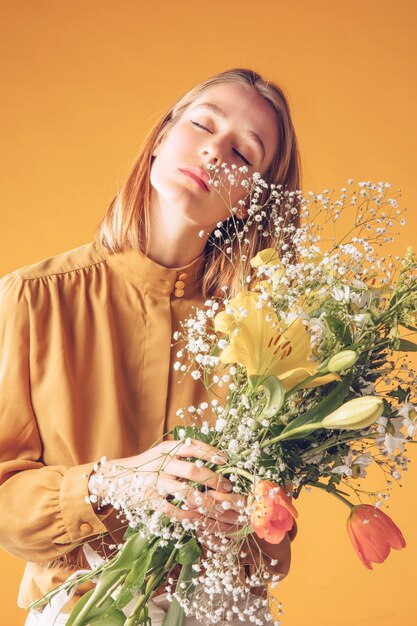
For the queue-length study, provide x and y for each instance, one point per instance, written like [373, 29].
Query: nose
[211, 153]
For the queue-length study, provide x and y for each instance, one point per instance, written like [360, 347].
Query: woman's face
[202, 136]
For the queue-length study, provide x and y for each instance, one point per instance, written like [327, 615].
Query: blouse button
[182, 276]
[85, 528]
[179, 293]
[179, 284]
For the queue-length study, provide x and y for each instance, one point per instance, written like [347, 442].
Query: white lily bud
[343, 360]
[356, 414]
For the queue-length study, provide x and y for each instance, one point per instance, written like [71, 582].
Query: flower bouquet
[307, 386]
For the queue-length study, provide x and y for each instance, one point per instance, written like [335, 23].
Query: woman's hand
[276, 557]
[161, 473]
[233, 503]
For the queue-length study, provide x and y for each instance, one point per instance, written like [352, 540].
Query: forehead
[246, 107]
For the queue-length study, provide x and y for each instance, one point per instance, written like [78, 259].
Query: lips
[198, 174]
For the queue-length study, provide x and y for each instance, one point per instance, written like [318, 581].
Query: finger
[175, 513]
[195, 500]
[218, 514]
[165, 485]
[216, 526]
[236, 501]
[277, 557]
[199, 475]
[196, 449]
[192, 499]
[215, 508]
[210, 541]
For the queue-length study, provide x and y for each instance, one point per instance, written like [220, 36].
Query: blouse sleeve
[44, 512]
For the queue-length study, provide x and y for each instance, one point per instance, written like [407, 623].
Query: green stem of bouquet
[152, 584]
[334, 493]
[334, 441]
[324, 446]
[235, 470]
[115, 577]
[68, 586]
[113, 588]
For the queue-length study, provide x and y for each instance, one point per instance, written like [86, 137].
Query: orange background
[82, 84]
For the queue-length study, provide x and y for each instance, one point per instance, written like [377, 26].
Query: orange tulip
[272, 512]
[373, 534]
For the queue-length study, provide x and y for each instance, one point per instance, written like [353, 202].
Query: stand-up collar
[148, 275]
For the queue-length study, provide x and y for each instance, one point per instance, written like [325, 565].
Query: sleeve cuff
[79, 518]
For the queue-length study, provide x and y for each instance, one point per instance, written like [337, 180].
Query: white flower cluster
[219, 597]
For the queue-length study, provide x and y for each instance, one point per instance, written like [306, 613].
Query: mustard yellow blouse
[86, 370]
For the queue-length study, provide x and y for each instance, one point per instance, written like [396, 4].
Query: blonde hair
[126, 221]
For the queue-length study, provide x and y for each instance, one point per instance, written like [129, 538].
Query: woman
[86, 362]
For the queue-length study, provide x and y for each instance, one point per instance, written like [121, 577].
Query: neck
[171, 242]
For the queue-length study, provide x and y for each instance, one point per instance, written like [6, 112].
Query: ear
[155, 151]
[157, 146]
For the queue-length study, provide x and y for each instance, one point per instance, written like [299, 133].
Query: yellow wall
[82, 84]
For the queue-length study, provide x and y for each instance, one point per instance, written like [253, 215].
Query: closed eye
[244, 159]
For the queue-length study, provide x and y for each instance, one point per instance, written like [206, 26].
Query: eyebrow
[219, 111]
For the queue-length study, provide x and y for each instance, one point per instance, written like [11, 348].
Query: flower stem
[151, 585]
[334, 493]
[334, 441]
[113, 588]
[236, 470]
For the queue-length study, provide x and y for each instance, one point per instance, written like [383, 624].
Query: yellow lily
[257, 342]
[268, 257]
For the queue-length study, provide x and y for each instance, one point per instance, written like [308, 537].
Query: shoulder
[74, 260]
[30, 289]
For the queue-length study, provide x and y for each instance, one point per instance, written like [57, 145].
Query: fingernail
[225, 484]
[218, 458]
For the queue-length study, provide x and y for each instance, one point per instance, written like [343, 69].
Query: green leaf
[133, 547]
[387, 407]
[275, 395]
[175, 615]
[340, 329]
[116, 618]
[190, 431]
[106, 615]
[399, 393]
[162, 555]
[189, 552]
[132, 530]
[408, 326]
[107, 579]
[134, 580]
[80, 605]
[405, 346]
[330, 403]
[132, 551]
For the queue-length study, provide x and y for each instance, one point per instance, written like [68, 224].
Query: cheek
[179, 144]
[169, 158]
